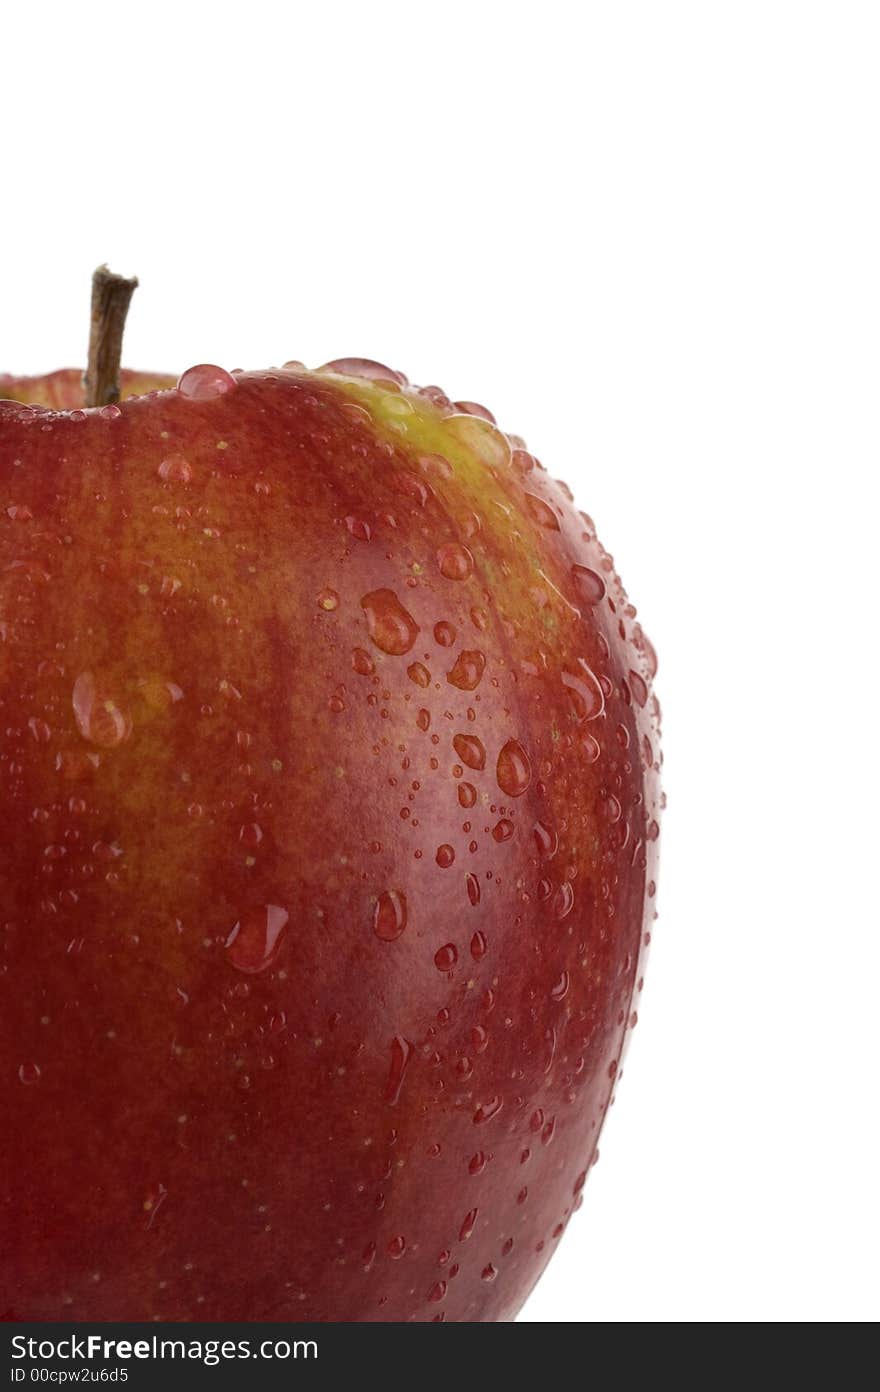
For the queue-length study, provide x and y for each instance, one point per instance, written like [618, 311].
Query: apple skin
[329, 792]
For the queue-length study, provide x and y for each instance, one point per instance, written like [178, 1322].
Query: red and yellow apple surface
[329, 803]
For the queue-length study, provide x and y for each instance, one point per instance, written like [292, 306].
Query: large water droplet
[469, 1222]
[467, 794]
[591, 749]
[175, 469]
[546, 839]
[470, 750]
[254, 942]
[401, 1052]
[514, 769]
[542, 512]
[418, 673]
[359, 528]
[389, 915]
[639, 688]
[563, 902]
[559, 990]
[590, 586]
[642, 644]
[481, 437]
[391, 627]
[467, 673]
[366, 368]
[584, 693]
[455, 561]
[446, 957]
[204, 382]
[362, 663]
[99, 717]
[487, 1110]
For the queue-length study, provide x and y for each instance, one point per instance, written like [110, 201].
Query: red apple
[329, 796]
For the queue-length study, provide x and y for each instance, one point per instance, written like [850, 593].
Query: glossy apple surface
[329, 802]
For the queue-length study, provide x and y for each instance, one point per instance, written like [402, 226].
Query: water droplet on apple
[204, 382]
[389, 915]
[391, 627]
[73, 763]
[99, 717]
[559, 990]
[467, 672]
[591, 748]
[418, 673]
[328, 600]
[585, 695]
[175, 469]
[396, 1248]
[29, 1073]
[473, 889]
[359, 528]
[366, 368]
[639, 688]
[590, 586]
[255, 940]
[362, 663]
[541, 512]
[514, 769]
[470, 750]
[468, 1224]
[467, 794]
[546, 839]
[455, 561]
[444, 634]
[522, 461]
[481, 437]
[487, 1110]
[111, 412]
[446, 957]
[563, 902]
[642, 644]
[437, 1291]
[445, 857]
[473, 408]
[489, 1272]
[412, 487]
[502, 830]
[401, 1052]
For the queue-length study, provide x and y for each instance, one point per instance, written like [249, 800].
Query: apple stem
[111, 296]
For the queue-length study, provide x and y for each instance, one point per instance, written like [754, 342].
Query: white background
[648, 236]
